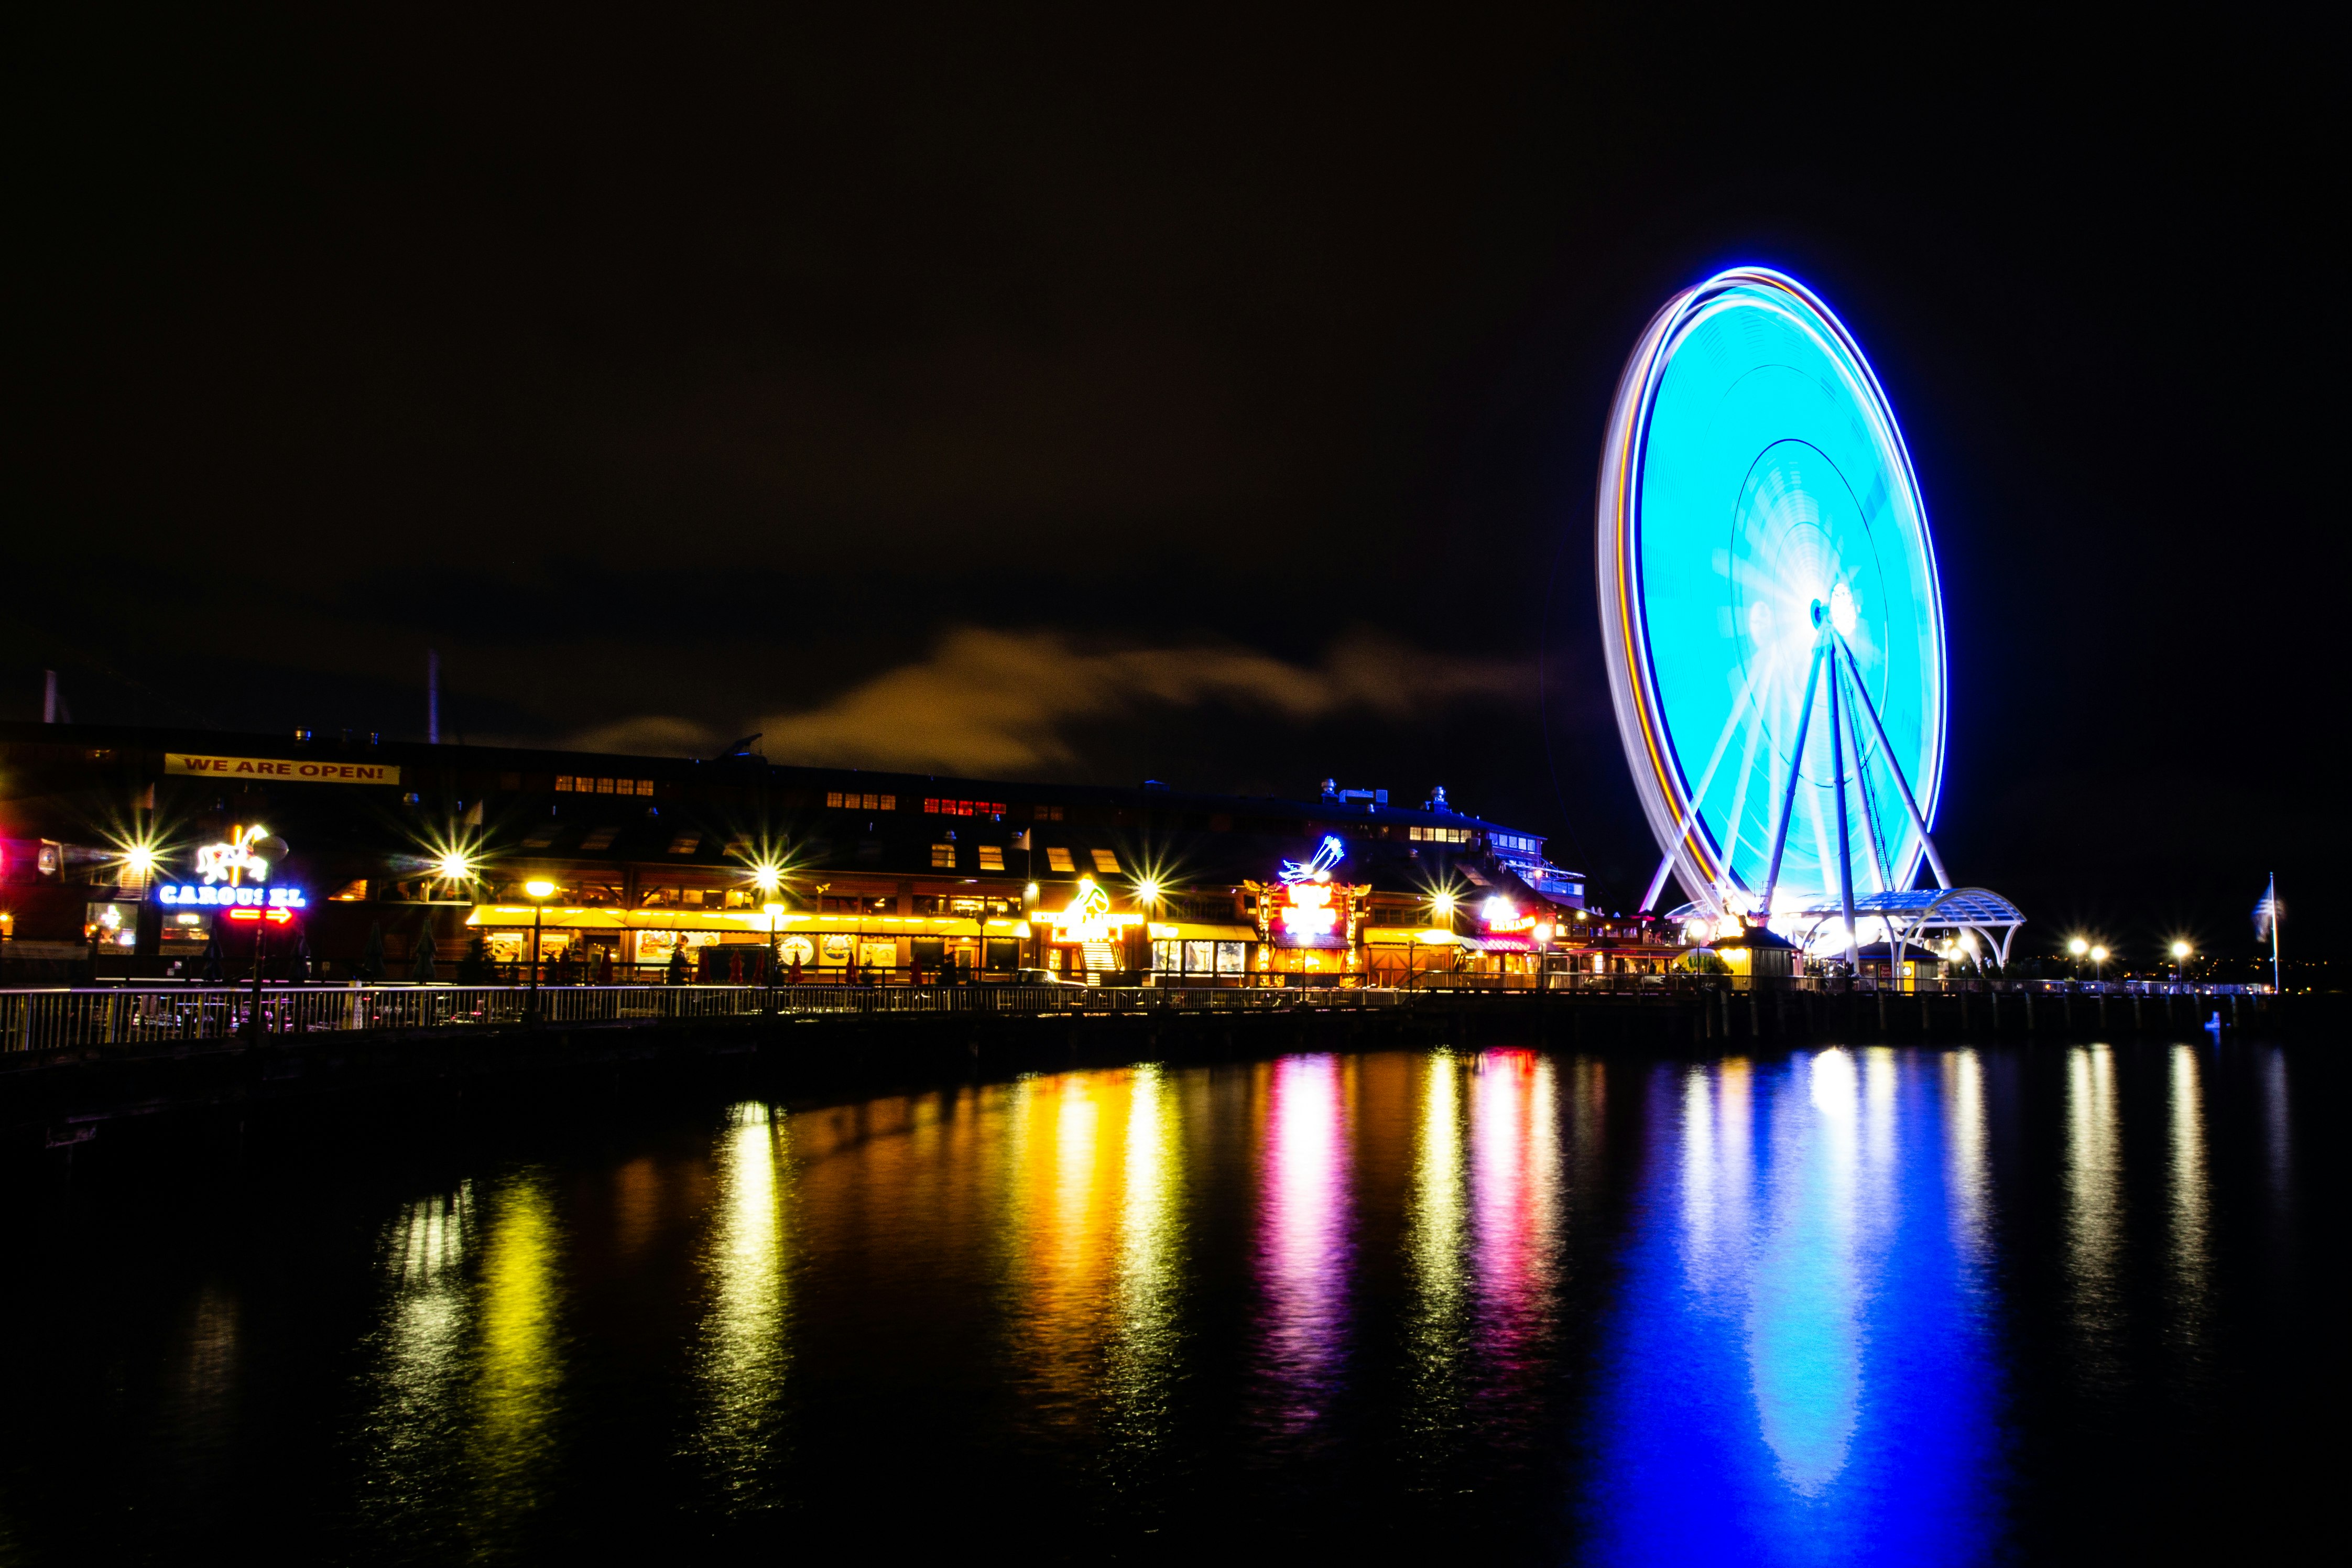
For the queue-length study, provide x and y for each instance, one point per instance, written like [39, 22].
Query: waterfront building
[148, 852]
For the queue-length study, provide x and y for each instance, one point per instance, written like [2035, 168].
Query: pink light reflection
[1304, 1246]
[1515, 1199]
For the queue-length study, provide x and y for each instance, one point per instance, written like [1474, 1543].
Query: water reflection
[1437, 1331]
[467, 1364]
[515, 1394]
[2095, 1208]
[1062, 1190]
[2189, 1196]
[1516, 1142]
[745, 1346]
[1146, 1343]
[1801, 1369]
[1305, 1242]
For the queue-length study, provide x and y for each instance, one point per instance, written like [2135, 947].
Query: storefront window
[186, 932]
[112, 925]
[1230, 957]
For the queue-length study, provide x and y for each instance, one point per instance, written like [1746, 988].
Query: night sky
[1213, 397]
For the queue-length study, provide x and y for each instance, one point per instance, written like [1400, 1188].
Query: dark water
[1901, 1306]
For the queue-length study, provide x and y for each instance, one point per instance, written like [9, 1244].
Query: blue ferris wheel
[1773, 621]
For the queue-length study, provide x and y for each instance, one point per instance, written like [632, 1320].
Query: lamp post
[2098, 963]
[2077, 948]
[2180, 950]
[540, 893]
[774, 912]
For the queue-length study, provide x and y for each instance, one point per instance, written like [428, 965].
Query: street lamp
[2098, 958]
[2078, 947]
[2180, 950]
[540, 893]
[774, 912]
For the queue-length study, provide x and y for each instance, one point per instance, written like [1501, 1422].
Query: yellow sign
[1089, 918]
[306, 770]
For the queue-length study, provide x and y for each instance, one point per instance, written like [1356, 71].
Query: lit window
[943, 857]
[563, 783]
[992, 858]
[932, 807]
[644, 786]
[1059, 860]
[600, 838]
[1106, 862]
[890, 803]
[604, 786]
[1049, 813]
[833, 800]
[685, 843]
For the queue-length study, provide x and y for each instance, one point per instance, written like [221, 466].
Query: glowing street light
[539, 892]
[2098, 960]
[2180, 952]
[775, 910]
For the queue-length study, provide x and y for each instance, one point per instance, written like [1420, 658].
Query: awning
[1405, 936]
[1184, 930]
[740, 922]
[1500, 944]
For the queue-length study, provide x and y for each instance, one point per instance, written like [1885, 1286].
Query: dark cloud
[1004, 704]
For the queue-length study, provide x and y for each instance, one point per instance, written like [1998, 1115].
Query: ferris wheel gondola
[1770, 609]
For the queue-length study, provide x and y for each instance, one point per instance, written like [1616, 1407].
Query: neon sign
[277, 915]
[1328, 853]
[278, 898]
[1089, 918]
[1501, 914]
[236, 860]
[1309, 915]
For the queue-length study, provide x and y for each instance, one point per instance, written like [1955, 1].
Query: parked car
[1040, 977]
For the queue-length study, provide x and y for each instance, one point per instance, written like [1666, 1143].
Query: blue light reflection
[1802, 1362]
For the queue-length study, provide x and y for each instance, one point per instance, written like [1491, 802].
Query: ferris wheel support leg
[1845, 836]
[1789, 795]
[1657, 883]
[1901, 785]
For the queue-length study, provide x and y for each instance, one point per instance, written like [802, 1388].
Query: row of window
[992, 859]
[850, 800]
[1439, 835]
[1190, 957]
[964, 807]
[1519, 842]
[568, 783]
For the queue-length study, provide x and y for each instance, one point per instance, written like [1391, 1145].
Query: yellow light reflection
[745, 1349]
[416, 1435]
[515, 1395]
[2189, 1200]
[2094, 1200]
[1061, 1233]
[1439, 1328]
[1144, 1344]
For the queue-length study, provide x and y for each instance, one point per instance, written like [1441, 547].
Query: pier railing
[153, 1018]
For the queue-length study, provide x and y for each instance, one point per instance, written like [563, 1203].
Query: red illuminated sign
[279, 916]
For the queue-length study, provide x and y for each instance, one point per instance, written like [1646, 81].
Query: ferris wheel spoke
[1796, 770]
[1901, 785]
[1741, 706]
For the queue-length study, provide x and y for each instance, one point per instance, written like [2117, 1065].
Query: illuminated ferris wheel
[1773, 623]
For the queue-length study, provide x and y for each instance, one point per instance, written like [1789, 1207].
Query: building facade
[143, 853]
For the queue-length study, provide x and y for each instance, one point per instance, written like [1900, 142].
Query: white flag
[2268, 909]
